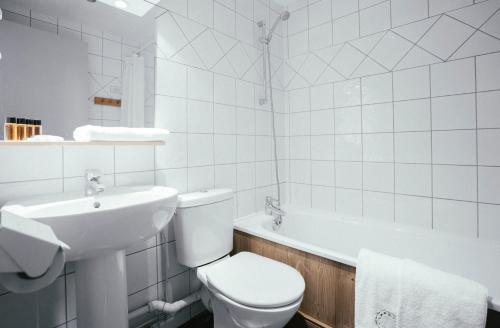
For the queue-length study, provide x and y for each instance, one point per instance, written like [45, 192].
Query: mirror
[70, 63]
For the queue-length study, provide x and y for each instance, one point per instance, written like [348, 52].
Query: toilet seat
[255, 281]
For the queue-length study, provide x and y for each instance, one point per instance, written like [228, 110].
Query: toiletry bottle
[38, 127]
[21, 129]
[30, 128]
[9, 129]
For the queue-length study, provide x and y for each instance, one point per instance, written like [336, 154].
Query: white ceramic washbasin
[125, 215]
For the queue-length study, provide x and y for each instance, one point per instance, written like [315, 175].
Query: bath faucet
[273, 207]
[93, 185]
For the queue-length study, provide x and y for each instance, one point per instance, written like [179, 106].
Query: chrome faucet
[93, 185]
[273, 207]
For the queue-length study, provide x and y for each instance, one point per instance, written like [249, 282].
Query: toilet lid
[256, 281]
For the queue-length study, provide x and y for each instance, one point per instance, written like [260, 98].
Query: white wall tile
[141, 270]
[224, 19]
[300, 123]
[413, 147]
[171, 79]
[378, 177]
[77, 159]
[200, 116]
[171, 113]
[200, 150]
[452, 77]
[224, 149]
[174, 153]
[379, 206]
[455, 217]
[343, 7]
[348, 120]
[441, 6]
[201, 177]
[322, 96]
[488, 147]
[454, 147]
[200, 84]
[454, 112]
[245, 176]
[412, 210]
[224, 119]
[454, 182]
[322, 121]
[378, 147]
[22, 164]
[378, 118]
[413, 179]
[345, 28]
[404, 12]
[347, 93]
[349, 175]
[348, 147]
[323, 197]
[375, 19]
[134, 158]
[320, 36]
[489, 184]
[412, 83]
[488, 72]
[412, 115]
[377, 89]
[224, 90]
[299, 100]
[489, 225]
[323, 173]
[349, 201]
[488, 113]
[322, 147]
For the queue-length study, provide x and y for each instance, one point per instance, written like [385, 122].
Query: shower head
[285, 15]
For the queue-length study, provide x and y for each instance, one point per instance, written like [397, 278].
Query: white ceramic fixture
[97, 230]
[246, 290]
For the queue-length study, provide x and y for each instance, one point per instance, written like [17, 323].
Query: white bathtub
[340, 237]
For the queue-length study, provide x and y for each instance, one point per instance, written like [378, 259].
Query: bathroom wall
[208, 85]
[106, 56]
[394, 111]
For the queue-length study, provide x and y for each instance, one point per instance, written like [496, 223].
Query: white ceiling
[96, 15]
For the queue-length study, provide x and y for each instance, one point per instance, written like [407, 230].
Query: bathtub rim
[256, 229]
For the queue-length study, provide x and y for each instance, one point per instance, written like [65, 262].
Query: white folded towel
[100, 133]
[45, 138]
[394, 293]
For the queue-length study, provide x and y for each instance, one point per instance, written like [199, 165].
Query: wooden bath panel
[329, 296]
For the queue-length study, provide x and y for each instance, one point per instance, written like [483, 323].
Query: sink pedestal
[101, 291]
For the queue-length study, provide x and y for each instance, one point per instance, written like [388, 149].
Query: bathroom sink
[98, 229]
[113, 220]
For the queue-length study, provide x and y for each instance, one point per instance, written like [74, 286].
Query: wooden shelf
[80, 143]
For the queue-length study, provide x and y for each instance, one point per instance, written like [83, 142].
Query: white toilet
[245, 290]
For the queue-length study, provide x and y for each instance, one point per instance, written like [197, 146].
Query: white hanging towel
[433, 298]
[394, 293]
[100, 133]
[376, 290]
[133, 93]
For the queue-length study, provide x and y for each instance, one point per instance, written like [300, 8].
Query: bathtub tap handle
[273, 207]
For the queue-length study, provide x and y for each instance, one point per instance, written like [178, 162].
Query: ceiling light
[121, 4]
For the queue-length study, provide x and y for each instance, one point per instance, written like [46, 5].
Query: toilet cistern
[93, 185]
